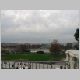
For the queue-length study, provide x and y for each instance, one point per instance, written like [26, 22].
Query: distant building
[8, 48]
[69, 46]
[24, 47]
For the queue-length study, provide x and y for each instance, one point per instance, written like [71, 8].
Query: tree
[55, 47]
[77, 34]
[21, 48]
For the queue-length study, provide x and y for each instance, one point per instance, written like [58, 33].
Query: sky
[38, 26]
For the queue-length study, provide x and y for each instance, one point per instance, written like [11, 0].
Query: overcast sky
[38, 26]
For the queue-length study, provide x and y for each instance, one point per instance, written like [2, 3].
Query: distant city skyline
[39, 26]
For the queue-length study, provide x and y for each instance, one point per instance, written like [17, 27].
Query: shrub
[40, 52]
[28, 51]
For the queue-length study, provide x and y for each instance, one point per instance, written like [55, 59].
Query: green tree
[77, 34]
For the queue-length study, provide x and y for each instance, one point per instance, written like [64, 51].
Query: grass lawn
[33, 57]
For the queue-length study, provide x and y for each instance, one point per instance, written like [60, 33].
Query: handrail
[34, 64]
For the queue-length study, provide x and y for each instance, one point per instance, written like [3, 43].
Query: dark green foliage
[77, 38]
[77, 34]
[40, 52]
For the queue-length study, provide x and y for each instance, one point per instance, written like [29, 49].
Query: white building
[73, 57]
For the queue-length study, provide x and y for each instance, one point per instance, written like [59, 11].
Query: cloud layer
[38, 26]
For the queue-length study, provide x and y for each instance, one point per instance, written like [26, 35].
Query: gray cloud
[38, 25]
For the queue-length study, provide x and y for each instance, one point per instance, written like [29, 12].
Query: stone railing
[34, 64]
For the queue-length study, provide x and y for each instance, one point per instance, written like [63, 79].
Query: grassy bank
[33, 57]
